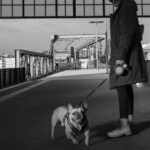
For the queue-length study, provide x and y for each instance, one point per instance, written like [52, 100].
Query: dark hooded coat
[126, 45]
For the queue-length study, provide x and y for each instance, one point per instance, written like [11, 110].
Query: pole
[52, 51]
[53, 55]
[0, 8]
[97, 62]
[96, 22]
[113, 7]
[75, 59]
[106, 48]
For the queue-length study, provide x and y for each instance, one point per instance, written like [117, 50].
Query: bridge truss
[63, 8]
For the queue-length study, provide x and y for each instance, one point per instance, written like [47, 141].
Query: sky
[34, 34]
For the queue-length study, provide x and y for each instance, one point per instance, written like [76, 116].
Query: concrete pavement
[12, 91]
[25, 117]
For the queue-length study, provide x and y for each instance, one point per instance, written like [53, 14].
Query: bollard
[11, 76]
[22, 74]
[1, 79]
[7, 81]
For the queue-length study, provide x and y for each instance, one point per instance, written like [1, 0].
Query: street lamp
[96, 22]
[106, 39]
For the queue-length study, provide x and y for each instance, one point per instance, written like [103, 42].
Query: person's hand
[119, 62]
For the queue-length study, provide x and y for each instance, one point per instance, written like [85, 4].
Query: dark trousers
[126, 100]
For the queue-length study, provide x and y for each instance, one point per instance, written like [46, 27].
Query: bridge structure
[64, 8]
[85, 46]
[42, 9]
[65, 42]
[28, 66]
[35, 64]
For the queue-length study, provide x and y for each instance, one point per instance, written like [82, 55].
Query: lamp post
[52, 51]
[106, 38]
[96, 22]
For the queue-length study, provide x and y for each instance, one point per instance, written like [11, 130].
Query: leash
[79, 128]
[99, 85]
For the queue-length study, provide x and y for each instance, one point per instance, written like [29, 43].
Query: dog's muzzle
[75, 126]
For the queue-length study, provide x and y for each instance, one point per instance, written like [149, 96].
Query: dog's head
[76, 114]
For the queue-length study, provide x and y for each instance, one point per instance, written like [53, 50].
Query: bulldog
[74, 119]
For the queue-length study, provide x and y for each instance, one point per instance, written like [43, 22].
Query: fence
[29, 65]
[36, 64]
[11, 76]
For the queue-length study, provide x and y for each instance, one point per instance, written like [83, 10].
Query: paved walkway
[25, 118]
[12, 91]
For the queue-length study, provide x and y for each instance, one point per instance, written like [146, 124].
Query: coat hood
[129, 3]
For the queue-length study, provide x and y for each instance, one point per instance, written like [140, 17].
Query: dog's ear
[84, 106]
[70, 107]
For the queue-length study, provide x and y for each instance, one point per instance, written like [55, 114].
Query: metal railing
[12, 76]
[36, 64]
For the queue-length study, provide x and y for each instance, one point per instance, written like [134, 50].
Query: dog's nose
[79, 116]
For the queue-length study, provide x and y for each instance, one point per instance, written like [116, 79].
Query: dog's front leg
[67, 134]
[71, 137]
[74, 141]
[87, 136]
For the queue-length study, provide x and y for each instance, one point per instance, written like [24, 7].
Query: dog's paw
[62, 124]
[75, 142]
[52, 137]
[87, 143]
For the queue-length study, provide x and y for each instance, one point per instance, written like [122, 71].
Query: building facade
[7, 62]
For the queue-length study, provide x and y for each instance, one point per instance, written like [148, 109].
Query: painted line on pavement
[13, 86]
[6, 97]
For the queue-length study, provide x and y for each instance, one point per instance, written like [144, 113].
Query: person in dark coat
[127, 64]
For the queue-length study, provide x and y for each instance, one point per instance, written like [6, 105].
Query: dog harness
[76, 127]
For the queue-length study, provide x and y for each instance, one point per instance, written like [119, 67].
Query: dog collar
[76, 127]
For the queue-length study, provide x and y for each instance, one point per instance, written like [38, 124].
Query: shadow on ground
[99, 132]
[139, 127]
